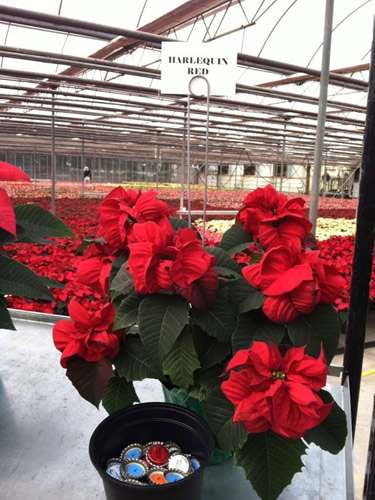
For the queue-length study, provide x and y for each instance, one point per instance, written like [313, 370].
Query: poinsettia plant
[243, 331]
[27, 223]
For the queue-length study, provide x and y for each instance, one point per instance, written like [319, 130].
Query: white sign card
[181, 61]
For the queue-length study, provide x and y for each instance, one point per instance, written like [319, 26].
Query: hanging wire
[262, 14]
[63, 47]
[222, 19]
[337, 25]
[209, 26]
[141, 14]
[192, 29]
[275, 26]
[60, 6]
[244, 13]
[5, 42]
[258, 9]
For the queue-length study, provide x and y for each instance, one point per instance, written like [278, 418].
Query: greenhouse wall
[243, 177]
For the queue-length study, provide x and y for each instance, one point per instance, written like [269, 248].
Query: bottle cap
[129, 480]
[157, 454]
[151, 443]
[133, 451]
[172, 446]
[156, 476]
[195, 463]
[174, 475]
[113, 468]
[179, 462]
[133, 469]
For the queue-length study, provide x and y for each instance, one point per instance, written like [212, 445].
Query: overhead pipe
[95, 30]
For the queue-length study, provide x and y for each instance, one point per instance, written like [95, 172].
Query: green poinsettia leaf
[119, 393]
[6, 238]
[177, 224]
[244, 295]
[18, 280]
[86, 243]
[208, 378]
[210, 350]
[270, 462]
[219, 412]
[196, 392]
[127, 311]
[116, 265]
[254, 326]
[224, 271]
[161, 320]
[320, 326]
[51, 283]
[135, 362]
[239, 248]
[220, 320]
[122, 282]
[253, 301]
[89, 378]
[182, 361]
[235, 236]
[36, 223]
[331, 434]
[5, 319]
[224, 261]
[182, 398]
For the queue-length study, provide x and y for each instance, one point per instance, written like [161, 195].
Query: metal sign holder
[191, 93]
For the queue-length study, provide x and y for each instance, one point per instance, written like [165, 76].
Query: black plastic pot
[146, 422]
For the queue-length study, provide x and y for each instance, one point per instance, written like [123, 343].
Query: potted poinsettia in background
[242, 333]
[30, 224]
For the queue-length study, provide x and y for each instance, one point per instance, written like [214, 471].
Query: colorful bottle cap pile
[153, 463]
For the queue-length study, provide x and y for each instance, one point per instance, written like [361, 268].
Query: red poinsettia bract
[281, 217]
[293, 283]
[160, 261]
[275, 392]
[8, 218]
[94, 270]
[121, 208]
[89, 335]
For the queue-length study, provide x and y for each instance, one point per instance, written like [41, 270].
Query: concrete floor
[365, 408]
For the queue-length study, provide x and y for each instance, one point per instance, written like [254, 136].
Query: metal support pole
[188, 162]
[34, 166]
[82, 167]
[220, 176]
[282, 160]
[320, 127]
[183, 163]
[53, 157]
[157, 166]
[363, 248]
[206, 152]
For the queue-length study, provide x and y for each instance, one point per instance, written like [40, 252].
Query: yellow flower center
[279, 375]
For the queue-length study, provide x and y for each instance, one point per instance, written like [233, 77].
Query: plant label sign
[181, 62]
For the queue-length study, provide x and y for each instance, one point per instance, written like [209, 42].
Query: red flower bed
[60, 261]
